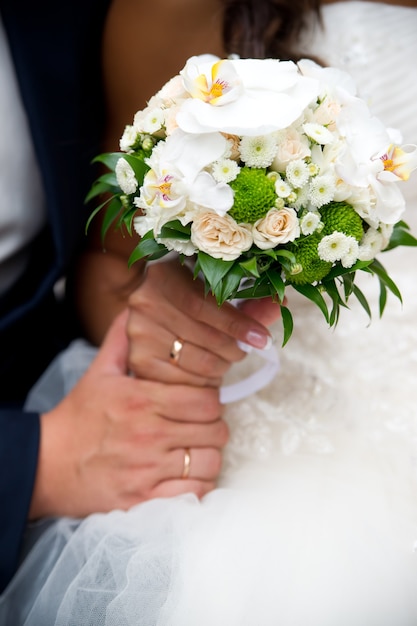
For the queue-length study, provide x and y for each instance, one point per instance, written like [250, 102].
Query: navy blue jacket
[56, 51]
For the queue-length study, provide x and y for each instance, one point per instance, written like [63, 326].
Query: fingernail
[258, 340]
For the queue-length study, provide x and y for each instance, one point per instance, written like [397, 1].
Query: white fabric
[315, 519]
[22, 207]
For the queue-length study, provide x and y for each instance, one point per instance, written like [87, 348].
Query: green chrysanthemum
[254, 195]
[312, 268]
[341, 217]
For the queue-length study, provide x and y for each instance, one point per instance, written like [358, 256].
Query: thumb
[113, 353]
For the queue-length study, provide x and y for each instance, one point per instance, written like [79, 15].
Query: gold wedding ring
[187, 463]
[175, 352]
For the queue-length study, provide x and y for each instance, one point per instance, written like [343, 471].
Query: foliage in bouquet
[270, 174]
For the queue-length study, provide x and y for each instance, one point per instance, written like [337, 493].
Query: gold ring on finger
[175, 351]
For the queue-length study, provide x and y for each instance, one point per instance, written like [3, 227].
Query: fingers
[264, 310]
[171, 305]
[112, 357]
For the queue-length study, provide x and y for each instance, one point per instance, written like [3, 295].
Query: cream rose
[292, 146]
[278, 226]
[220, 236]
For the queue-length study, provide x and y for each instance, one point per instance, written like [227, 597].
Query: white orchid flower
[177, 181]
[257, 103]
[216, 83]
[398, 162]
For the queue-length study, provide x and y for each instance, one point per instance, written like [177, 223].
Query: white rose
[220, 236]
[278, 226]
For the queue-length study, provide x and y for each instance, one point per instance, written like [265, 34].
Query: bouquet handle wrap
[257, 380]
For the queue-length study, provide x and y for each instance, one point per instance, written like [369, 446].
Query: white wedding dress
[314, 522]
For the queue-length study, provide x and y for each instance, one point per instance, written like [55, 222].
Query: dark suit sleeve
[19, 444]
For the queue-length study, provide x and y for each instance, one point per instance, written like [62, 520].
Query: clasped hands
[145, 420]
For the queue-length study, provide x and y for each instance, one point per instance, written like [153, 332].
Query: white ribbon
[256, 381]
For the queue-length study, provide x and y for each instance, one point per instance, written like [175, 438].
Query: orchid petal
[192, 153]
[401, 161]
[206, 192]
[216, 83]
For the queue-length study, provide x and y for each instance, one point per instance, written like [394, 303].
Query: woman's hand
[116, 440]
[171, 307]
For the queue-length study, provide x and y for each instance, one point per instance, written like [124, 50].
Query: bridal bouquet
[269, 174]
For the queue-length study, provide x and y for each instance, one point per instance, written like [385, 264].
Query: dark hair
[267, 28]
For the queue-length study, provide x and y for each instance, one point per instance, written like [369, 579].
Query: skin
[118, 438]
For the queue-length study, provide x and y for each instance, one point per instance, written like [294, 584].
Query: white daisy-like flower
[322, 190]
[258, 151]
[351, 256]
[129, 139]
[333, 247]
[125, 176]
[302, 198]
[153, 121]
[297, 173]
[309, 222]
[318, 133]
[313, 169]
[282, 188]
[225, 170]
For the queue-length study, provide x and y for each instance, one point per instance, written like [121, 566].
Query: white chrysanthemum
[182, 246]
[297, 173]
[309, 222]
[333, 247]
[282, 188]
[225, 170]
[370, 245]
[125, 176]
[258, 151]
[318, 133]
[129, 139]
[322, 190]
[302, 198]
[313, 169]
[351, 256]
[153, 121]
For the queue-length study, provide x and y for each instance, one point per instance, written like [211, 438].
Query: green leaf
[214, 270]
[378, 269]
[287, 323]
[104, 184]
[401, 236]
[94, 213]
[277, 283]
[175, 230]
[109, 159]
[148, 249]
[313, 293]
[259, 289]
[360, 296]
[231, 282]
[251, 266]
[382, 298]
[111, 214]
